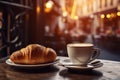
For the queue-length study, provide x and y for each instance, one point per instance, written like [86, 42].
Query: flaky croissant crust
[33, 54]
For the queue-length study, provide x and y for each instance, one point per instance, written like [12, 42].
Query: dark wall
[36, 24]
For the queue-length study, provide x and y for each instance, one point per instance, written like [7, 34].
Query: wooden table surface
[109, 71]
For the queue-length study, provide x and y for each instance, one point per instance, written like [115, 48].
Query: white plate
[68, 64]
[9, 62]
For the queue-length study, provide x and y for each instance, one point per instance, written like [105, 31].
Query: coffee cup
[82, 53]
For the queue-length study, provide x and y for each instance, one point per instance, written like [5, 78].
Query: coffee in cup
[82, 53]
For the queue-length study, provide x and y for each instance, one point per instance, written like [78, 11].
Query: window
[111, 2]
[100, 4]
[105, 3]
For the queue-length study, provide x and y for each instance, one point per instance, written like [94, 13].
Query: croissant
[33, 54]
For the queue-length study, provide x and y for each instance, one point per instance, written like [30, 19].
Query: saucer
[68, 64]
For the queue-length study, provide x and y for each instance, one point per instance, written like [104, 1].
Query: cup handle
[95, 54]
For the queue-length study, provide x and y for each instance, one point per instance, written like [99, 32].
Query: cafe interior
[59, 39]
[55, 23]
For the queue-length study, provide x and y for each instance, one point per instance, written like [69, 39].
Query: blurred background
[55, 23]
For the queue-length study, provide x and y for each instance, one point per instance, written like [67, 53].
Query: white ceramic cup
[82, 53]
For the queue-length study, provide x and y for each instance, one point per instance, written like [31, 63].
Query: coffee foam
[80, 45]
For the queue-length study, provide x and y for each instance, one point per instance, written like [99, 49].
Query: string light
[102, 16]
[112, 15]
[108, 16]
[118, 13]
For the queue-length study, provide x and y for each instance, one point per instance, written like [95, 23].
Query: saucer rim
[89, 66]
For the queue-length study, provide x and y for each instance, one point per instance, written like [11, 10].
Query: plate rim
[9, 62]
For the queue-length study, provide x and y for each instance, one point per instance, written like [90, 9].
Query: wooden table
[109, 71]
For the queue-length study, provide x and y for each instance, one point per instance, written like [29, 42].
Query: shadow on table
[44, 69]
[81, 75]
[33, 74]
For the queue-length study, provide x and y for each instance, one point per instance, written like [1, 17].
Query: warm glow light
[38, 9]
[112, 15]
[74, 9]
[108, 15]
[48, 6]
[65, 14]
[102, 16]
[118, 13]
[75, 17]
